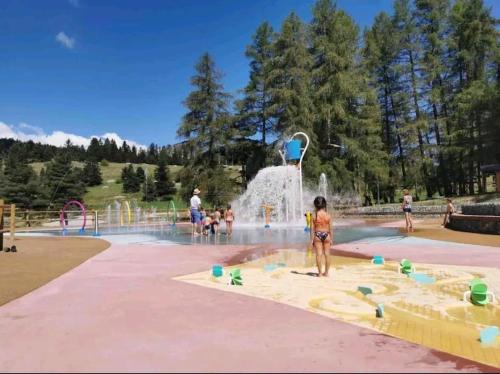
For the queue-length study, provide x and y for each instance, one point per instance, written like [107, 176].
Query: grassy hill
[111, 187]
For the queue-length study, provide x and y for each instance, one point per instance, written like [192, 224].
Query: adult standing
[406, 205]
[195, 212]
[450, 209]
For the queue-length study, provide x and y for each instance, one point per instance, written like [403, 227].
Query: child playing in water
[207, 225]
[321, 235]
[229, 218]
[217, 217]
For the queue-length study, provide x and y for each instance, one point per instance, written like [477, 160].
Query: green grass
[98, 197]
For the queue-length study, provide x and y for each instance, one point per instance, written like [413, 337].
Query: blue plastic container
[378, 260]
[217, 270]
[293, 150]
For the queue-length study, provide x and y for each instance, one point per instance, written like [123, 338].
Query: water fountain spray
[293, 151]
[279, 187]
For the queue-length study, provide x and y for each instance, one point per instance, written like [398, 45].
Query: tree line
[59, 181]
[411, 100]
[98, 150]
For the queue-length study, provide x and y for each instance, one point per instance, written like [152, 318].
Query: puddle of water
[422, 278]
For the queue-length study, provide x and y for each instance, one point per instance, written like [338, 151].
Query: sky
[121, 68]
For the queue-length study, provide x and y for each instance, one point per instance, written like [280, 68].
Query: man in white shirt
[195, 212]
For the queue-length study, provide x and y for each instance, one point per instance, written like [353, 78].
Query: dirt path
[40, 260]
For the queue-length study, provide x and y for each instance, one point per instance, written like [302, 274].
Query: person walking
[406, 206]
[450, 209]
[195, 212]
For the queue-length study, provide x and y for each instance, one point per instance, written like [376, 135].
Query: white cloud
[34, 129]
[75, 3]
[25, 132]
[65, 40]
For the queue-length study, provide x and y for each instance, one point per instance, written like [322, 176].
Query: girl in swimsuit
[321, 235]
[229, 218]
[406, 206]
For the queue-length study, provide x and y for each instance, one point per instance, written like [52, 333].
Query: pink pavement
[121, 311]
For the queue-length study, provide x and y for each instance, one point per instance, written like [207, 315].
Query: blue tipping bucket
[293, 150]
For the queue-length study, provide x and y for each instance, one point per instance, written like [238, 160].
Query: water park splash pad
[430, 314]
[161, 231]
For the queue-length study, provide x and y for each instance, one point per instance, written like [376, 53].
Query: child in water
[207, 224]
[217, 217]
[229, 218]
[203, 215]
[321, 235]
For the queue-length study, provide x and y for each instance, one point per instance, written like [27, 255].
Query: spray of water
[275, 186]
[323, 186]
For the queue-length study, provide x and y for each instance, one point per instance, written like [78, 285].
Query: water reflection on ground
[246, 235]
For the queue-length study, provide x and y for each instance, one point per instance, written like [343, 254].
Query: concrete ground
[121, 311]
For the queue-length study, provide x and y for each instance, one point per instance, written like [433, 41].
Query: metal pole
[12, 222]
[300, 169]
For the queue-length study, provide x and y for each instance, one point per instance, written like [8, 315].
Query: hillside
[111, 188]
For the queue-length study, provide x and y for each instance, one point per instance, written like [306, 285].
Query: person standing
[217, 218]
[322, 235]
[450, 209]
[195, 212]
[406, 206]
[229, 218]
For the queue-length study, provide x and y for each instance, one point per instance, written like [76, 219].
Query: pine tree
[473, 45]
[164, 186]
[289, 79]
[410, 81]
[62, 182]
[206, 123]
[140, 174]
[346, 108]
[95, 150]
[148, 189]
[381, 49]
[92, 174]
[253, 109]
[432, 17]
[19, 183]
[131, 182]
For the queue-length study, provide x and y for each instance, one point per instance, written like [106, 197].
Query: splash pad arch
[125, 208]
[62, 219]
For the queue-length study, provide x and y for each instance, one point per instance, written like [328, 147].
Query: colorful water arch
[80, 206]
[126, 205]
[174, 215]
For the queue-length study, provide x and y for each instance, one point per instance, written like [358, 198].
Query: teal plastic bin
[217, 270]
